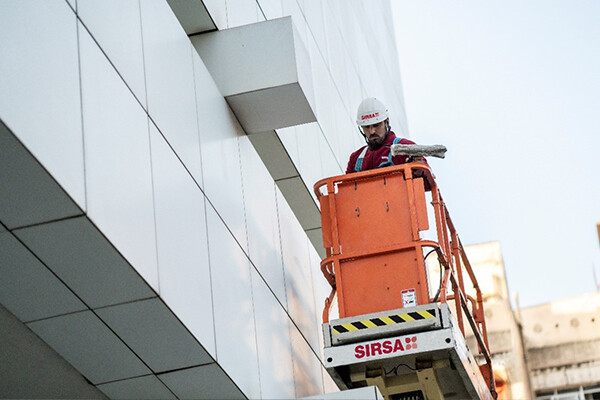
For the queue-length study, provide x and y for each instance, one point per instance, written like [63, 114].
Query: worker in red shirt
[372, 118]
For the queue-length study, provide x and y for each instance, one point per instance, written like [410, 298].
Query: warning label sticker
[409, 298]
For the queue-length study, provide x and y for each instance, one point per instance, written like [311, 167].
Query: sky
[512, 89]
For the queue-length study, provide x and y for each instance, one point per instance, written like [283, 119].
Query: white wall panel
[219, 132]
[307, 369]
[85, 342]
[273, 342]
[354, 92]
[350, 85]
[329, 385]
[313, 12]
[324, 95]
[332, 11]
[335, 49]
[289, 139]
[309, 150]
[242, 12]
[350, 34]
[350, 140]
[329, 164]
[290, 7]
[218, 12]
[39, 90]
[234, 311]
[27, 288]
[183, 267]
[299, 287]
[116, 26]
[322, 290]
[170, 82]
[342, 147]
[271, 8]
[117, 156]
[264, 245]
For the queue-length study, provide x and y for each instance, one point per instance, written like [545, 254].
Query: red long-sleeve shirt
[373, 158]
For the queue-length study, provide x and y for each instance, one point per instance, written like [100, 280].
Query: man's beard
[375, 145]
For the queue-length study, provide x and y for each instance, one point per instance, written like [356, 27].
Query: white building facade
[159, 237]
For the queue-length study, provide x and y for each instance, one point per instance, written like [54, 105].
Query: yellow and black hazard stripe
[381, 321]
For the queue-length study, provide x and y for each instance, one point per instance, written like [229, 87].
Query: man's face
[375, 133]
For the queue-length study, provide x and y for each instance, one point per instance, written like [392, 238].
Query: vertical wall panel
[218, 11]
[116, 26]
[329, 164]
[313, 11]
[298, 280]
[307, 369]
[354, 92]
[170, 82]
[183, 267]
[271, 8]
[309, 150]
[289, 139]
[117, 155]
[264, 246]
[39, 87]
[342, 145]
[234, 311]
[242, 12]
[273, 341]
[329, 385]
[335, 49]
[219, 133]
[290, 7]
[322, 290]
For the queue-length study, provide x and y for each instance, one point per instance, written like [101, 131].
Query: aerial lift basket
[389, 331]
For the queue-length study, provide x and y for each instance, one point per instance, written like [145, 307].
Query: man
[372, 117]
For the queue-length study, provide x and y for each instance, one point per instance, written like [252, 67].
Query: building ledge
[263, 71]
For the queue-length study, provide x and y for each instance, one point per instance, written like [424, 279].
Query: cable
[395, 369]
[440, 285]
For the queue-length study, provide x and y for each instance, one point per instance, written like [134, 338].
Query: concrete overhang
[263, 71]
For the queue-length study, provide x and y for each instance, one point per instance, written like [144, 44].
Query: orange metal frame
[388, 242]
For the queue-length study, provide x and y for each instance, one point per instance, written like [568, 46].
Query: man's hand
[417, 172]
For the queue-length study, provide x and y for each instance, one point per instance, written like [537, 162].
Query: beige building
[548, 351]
[562, 339]
[504, 336]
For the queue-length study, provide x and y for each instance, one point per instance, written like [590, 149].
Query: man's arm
[352, 161]
[351, 164]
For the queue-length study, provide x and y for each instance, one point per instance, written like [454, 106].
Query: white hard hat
[371, 111]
